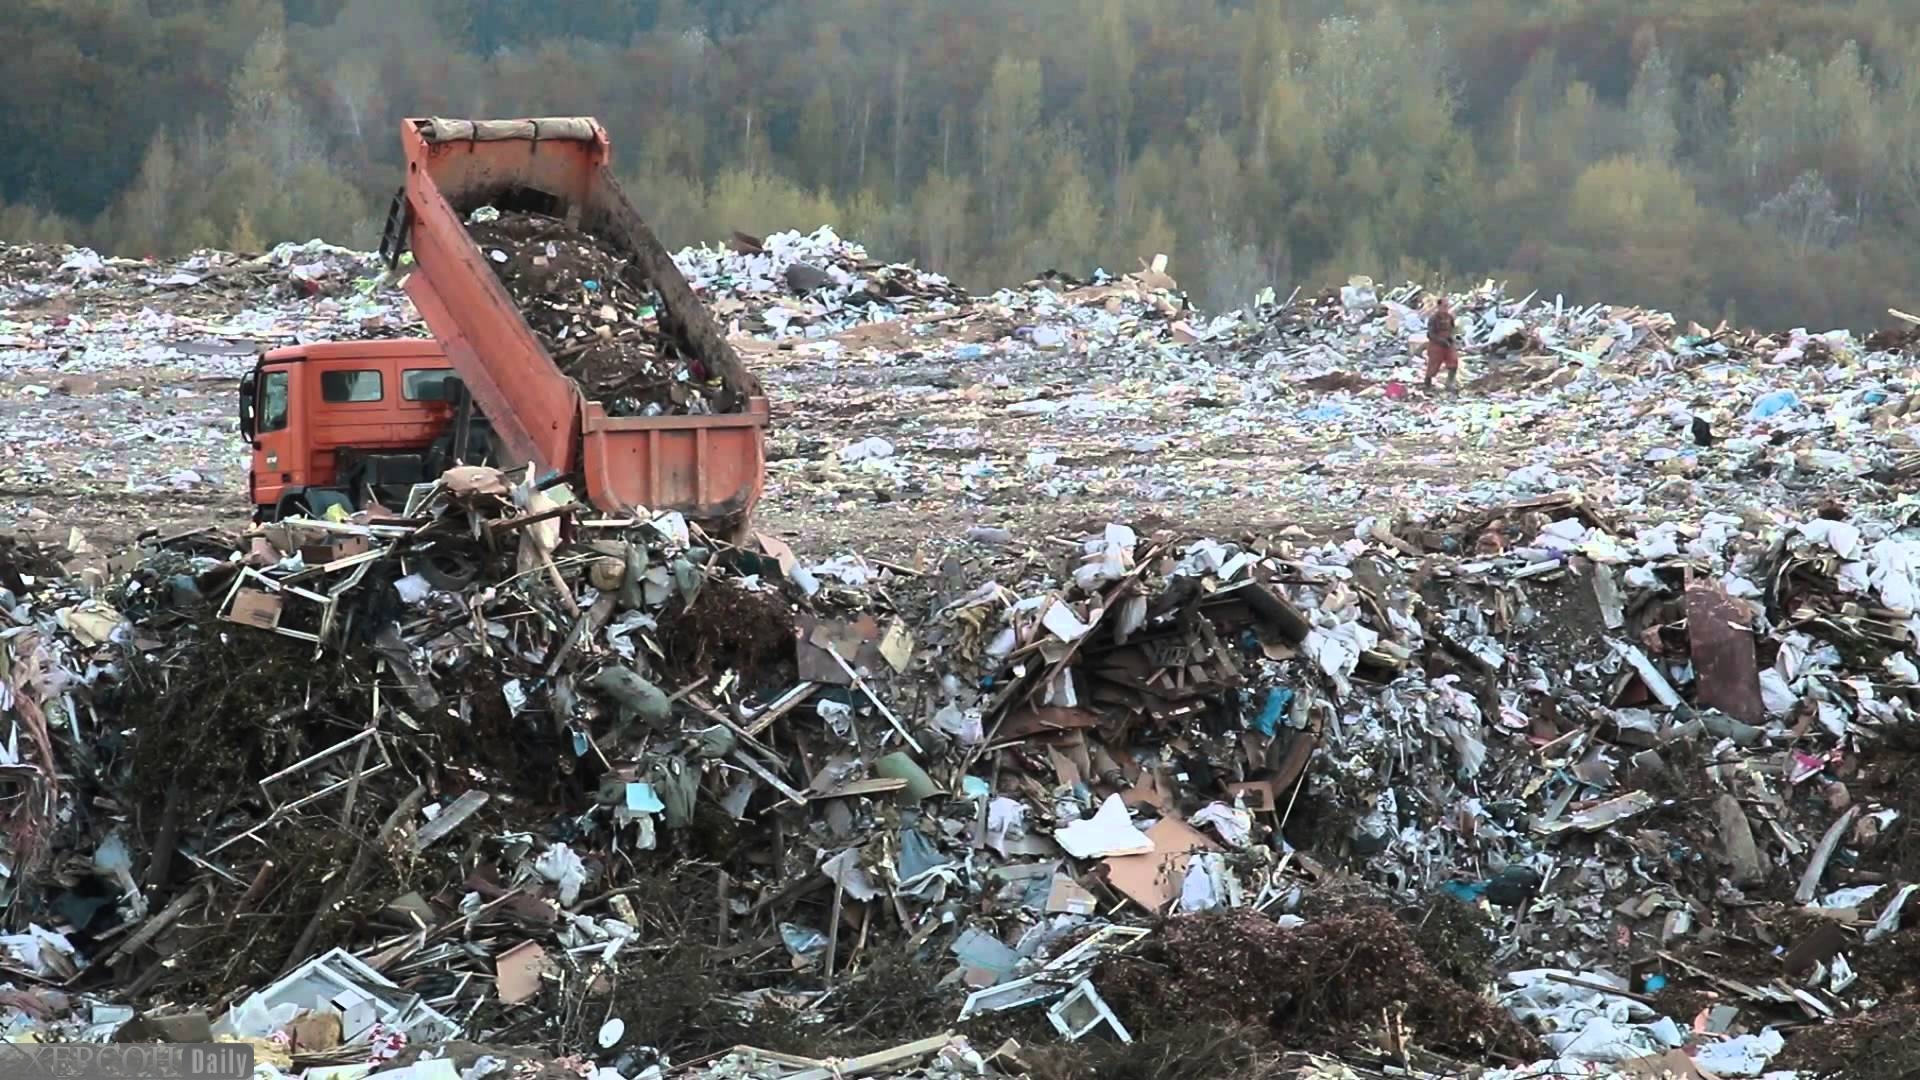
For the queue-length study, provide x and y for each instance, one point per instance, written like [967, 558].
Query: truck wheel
[291, 506]
[741, 535]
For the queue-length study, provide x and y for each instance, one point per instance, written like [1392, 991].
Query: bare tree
[1652, 107]
[355, 83]
[1807, 214]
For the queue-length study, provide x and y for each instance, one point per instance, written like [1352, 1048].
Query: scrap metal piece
[1723, 653]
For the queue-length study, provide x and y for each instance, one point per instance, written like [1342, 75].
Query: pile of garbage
[593, 308]
[504, 770]
[83, 314]
[1062, 403]
[1581, 752]
[809, 285]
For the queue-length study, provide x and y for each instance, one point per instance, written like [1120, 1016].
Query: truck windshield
[273, 401]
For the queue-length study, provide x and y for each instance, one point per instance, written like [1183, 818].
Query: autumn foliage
[1750, 159]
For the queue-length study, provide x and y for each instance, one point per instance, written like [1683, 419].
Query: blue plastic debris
[917, 855]
[580, 744]
[1268, 722]
[1654, 983]
[590, 285]
[1773, 404]
[1467, 892]
[969, 352]
[641, 797]
[1322, 413]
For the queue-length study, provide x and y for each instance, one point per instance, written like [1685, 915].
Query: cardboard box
[335, 549]
[357, 1013]
[257, 607]
[517, 972]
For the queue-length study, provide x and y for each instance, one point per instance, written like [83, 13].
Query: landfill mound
[1064, 402]
[791, 285]
[595, 312]
[1514, 789]
[1040, 409]
[117, 375]
[1114, 689]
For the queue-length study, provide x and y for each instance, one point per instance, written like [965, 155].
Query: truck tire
[291, 506]
[741, 535]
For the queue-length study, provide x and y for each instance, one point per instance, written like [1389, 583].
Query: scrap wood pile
[507, 771]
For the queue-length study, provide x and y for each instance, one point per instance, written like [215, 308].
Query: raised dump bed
[710, 464]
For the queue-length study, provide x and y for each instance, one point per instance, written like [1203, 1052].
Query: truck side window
[273, 402]
[425, 384]
[349, 386]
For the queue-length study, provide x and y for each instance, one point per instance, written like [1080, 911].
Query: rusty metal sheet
[1723, 657]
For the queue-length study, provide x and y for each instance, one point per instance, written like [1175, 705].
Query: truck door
[275, 457]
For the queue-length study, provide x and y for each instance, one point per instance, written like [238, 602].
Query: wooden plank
[450, 819]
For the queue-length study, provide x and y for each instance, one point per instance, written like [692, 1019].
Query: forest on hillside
[1755, 160]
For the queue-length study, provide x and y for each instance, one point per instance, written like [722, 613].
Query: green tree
[1071, 234]
[1774, 116]
[243, 238]
[1009, 119]
[819, 134]
[147, 209]
[1109, 93]
[24, 224]
[942, 209]
[1624, 195]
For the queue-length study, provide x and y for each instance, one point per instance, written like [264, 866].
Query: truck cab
[345, 423]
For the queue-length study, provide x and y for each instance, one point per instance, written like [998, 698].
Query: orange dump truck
[343, 422]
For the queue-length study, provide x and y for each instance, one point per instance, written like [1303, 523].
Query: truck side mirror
[246, 408]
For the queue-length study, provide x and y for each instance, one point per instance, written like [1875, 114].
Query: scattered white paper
[1108, 832]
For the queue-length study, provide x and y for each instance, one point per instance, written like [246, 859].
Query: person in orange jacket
[1440, 349]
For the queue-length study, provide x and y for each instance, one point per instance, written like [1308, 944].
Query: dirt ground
[111, 455]
[973, 454]
[107, 447]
